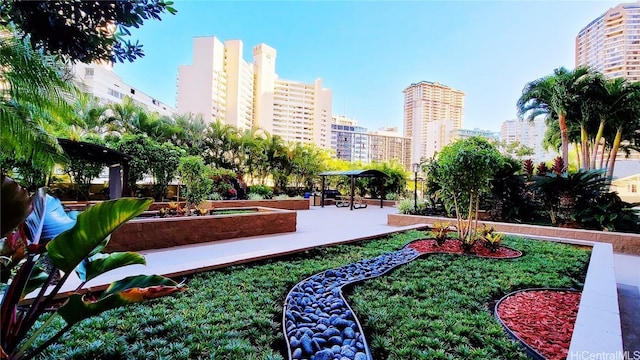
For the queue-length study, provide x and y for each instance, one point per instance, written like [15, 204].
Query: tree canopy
[83, 30]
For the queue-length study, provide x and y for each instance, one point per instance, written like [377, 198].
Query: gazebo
[117, 162]
[353, 174]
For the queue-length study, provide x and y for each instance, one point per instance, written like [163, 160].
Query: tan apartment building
[387, 144]
[611, 43]
[220, 84]
[431, 112]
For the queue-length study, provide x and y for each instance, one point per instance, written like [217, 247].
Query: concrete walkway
[315, 227]
[627, 268]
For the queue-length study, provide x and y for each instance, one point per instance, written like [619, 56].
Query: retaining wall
[158, 233]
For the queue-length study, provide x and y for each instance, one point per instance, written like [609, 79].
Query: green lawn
[435, 307]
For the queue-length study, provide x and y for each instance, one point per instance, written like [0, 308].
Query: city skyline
[368, 52]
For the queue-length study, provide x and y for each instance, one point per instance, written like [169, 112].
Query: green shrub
[214, 196]
[407, 207]
[263, 190]
[391, 196]
[255, 196]
[282, 197]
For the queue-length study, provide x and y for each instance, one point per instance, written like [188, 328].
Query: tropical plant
[82, 171]
[41, 236]
[492, 240]
[391, 196]
[466, 168]
[560, 194]
[140, 147]
[508, 192]
[608, 212]
[440, 231]
[255, 196]
[261, 190]
[408, 206]
[163, 165]
[195, 176]
[33, 102]
[556, 96]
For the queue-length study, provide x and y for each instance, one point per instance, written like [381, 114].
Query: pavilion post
[115, 182]
[322, 193]
[381, 193]
[353, 186]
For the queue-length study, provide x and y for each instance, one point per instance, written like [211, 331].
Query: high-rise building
[387, 144]
[527, 133]
[431, 112]
[355, 143]
[219, 84]
[349, 141]
[458, 134]
[611, 43]
[100, 81]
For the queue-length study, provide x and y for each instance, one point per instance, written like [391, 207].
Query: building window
[633, 188]
[133, 91]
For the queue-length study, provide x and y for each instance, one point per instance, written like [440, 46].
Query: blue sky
[367, 52]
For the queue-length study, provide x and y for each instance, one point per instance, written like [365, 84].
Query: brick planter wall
[625, 243]
[286, 204]
[157, 233]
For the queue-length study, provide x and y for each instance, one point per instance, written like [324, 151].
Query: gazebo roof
[356, 173]
[93, 152]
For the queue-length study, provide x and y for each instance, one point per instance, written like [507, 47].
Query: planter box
[158, 233]
[286, 204]
[625, 243]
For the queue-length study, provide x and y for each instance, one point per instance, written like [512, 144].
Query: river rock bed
[318, 322]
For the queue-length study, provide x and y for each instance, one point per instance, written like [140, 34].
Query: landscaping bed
[541, 318]
[436, 307]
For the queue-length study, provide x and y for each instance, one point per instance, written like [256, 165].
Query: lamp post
[415, 187]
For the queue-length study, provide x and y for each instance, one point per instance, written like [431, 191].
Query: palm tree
[189, 132]
[218, 143]
[620, 119]
[90, 115]
[33, 102]
[555, 96]
[624, 121]
[125, 117]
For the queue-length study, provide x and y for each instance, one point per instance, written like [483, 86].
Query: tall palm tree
[623, 118]
[190, 132]
[219, 141]
[125, 117]
[91, 117]
[33, 101]
[555, 96]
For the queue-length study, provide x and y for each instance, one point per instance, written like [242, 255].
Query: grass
[433, 308]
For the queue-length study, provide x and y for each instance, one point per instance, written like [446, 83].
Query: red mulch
[453, 247]
[543, 319]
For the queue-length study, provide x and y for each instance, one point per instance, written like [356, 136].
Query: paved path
[627, 269]
[315, 227]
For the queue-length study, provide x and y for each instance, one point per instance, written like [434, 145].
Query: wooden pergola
[117, 162]
[353, 174]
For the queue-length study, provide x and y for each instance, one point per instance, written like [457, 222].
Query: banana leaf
[93, 225]
[101, 263]
[126, 291]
